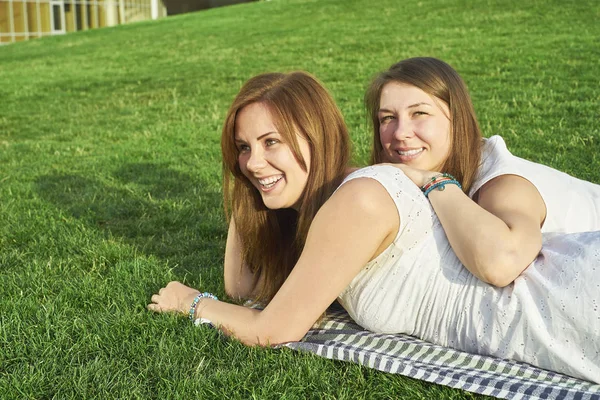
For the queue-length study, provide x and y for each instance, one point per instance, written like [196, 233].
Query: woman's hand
[419, 176]
[175, 297]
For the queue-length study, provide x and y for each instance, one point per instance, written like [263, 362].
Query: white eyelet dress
[549, 316]
[572, 205]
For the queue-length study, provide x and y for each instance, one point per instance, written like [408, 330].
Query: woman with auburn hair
[495, 206]
[303, 113]
[373, 242]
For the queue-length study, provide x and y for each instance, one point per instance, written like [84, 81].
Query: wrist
[184, 305]
[449, 185]
[195, 309]
[428, 177]
[439, 182]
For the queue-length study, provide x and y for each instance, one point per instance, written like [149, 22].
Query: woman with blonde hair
[299, 239]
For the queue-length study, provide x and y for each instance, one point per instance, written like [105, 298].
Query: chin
[391, 159]
[273, 205]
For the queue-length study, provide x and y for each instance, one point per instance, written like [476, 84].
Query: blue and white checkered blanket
[339, 338]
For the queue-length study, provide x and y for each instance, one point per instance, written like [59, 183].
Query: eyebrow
[411, 106]
[258, 138]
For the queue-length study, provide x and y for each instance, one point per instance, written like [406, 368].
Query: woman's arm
[240, 282]
[355, 225]
[498, 236]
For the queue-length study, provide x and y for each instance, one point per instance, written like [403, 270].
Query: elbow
[270, 334]
[237, 292]
[501, 266]
[497, 279]
[270, 339]
[502, 270]
[232, 291]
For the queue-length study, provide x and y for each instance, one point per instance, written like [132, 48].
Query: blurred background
[28, 19]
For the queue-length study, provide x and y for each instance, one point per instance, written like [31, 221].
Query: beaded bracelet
[435, 179]
[441, 186]
[192, 311]
[425, 187]
[439, 182]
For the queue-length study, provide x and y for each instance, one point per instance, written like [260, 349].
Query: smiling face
[414, 127]
[267, 160]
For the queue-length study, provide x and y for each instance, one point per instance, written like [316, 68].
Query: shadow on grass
[158, 210]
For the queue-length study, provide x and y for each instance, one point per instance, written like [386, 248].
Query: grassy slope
[110, 165]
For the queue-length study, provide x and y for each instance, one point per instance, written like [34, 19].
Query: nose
[256, 161]
[403, 129]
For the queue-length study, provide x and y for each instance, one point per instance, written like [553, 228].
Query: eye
[270, 142]
[386, 118]
[243, 148]
[419, 113]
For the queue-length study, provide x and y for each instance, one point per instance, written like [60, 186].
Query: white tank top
[572, 205]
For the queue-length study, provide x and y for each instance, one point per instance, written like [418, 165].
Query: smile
[269, 182]
[409, 153]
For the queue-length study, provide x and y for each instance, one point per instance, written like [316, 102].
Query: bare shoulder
[507, 186]
[360, 211]
[512, 192]
[366, 194]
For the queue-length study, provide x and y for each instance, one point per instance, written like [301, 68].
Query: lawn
[110, 175]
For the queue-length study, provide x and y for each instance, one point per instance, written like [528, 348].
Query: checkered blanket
[339, 338]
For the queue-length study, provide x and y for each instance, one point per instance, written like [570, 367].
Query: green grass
[110, 175]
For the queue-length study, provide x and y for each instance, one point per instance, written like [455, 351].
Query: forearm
[361, 213]
[243, 323]
[483, 242]
[248, 325]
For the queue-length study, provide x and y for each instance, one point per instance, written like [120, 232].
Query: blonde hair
[272, 240]
[440, 80]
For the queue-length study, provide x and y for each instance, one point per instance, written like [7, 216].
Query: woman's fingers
[175, 297]
[160, 303]
[153, 307]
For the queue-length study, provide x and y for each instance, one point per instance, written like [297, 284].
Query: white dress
[549, 316]
[572, 205]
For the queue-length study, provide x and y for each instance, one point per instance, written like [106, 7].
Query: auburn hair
[440, 80]
[271, 240]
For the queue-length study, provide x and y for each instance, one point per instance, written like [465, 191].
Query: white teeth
[269, 182]
[410, 152]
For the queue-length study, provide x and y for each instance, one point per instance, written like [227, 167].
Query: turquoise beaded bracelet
[441, 185]
[435, 178]
[192, 311]
[439, 182]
